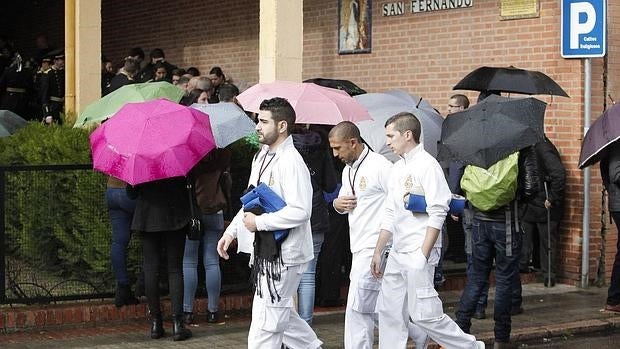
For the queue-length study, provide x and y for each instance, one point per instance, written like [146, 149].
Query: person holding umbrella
[542, 207]
[280, 166]
[610, 172]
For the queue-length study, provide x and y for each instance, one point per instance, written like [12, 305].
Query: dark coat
[610, 172]
[160, 205]
[314, 151]
[552, 171]
[52, 85]
[117, 82]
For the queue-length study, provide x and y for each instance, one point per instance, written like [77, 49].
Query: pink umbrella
[151, 140]
[313, 104]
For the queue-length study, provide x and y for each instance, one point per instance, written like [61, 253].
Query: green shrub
[57, 222]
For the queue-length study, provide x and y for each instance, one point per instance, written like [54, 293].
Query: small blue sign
[584, 28]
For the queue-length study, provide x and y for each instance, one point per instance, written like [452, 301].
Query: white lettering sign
[437, 5]
[393, 9]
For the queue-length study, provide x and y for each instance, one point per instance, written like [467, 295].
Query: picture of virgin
[354, 26]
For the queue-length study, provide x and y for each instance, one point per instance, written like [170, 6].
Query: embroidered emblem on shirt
[408, 183]
[363, 183]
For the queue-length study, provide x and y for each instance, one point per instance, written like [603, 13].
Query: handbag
[194, 231]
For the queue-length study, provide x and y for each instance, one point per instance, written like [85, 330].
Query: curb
[95, 313]
[568, 329]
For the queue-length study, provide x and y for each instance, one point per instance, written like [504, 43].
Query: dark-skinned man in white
[361, 198]
[407, 289]
[281, 167]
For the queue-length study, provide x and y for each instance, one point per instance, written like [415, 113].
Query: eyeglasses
[454, 106]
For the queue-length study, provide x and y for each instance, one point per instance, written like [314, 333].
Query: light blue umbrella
[10, 123]
[382, 106]
[228, 122]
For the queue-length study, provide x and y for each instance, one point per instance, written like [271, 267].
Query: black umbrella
[604, 131]
[491, 130]
[510, 79]
[345, 85]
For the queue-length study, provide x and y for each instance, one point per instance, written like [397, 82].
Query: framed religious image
[354, 26]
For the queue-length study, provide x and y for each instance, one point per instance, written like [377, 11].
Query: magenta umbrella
[151, 140]
[313, 104]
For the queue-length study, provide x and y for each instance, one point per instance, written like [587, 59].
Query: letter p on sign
[576, 26]
[584, 30]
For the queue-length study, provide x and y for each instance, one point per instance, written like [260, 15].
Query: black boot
[179, 332]
[124, 296]
[157, 327]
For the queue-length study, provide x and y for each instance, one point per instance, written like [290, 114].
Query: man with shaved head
[364, 189]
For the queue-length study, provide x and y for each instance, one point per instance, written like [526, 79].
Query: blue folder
[417, 204]
[266, 199]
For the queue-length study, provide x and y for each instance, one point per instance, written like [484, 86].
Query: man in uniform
[408, 293]
[277, 267]
[53, 89]
[15, 85]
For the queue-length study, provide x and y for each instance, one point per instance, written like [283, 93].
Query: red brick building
[425, 53]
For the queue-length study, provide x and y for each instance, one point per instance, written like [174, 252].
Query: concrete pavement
[561, 311]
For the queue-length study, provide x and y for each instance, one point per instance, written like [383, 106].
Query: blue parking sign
[584, 28]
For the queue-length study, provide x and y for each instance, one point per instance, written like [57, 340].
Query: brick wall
[191, 33]
[425, 54]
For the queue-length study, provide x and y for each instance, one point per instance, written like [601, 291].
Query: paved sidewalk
[549, 312]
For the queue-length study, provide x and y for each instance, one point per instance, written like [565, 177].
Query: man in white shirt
[407, 288]
[281, 167]
[361, 197]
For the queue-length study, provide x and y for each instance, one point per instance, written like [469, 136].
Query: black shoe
[179, 332]
[124, 296]
[157, 327]
[549, 284]
[516, 311]
[212, 317]
[188, 318]
[480, 315]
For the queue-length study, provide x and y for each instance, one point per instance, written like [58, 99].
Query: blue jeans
[120, 209]
[481, 305]
[305, 291]
[489, 241]
[213, 226]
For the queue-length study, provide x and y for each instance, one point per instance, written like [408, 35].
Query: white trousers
[360, 315]
[276, 323]
[410, 294]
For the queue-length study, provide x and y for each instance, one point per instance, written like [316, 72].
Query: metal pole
[585, 240]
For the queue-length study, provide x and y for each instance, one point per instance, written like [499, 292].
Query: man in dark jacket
[610, 172]
[124, 77]
[314, 151]
[53, 89]
[547, 194]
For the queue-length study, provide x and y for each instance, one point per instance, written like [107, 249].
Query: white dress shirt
[286, 173]
[415, 171]
[367, 178]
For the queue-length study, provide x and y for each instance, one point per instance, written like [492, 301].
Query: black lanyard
[352, 182]
[263, 166]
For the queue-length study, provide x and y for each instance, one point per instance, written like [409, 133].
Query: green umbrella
[105, 107]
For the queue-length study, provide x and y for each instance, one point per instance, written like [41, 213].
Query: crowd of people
[34, 88]
[395, 255]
